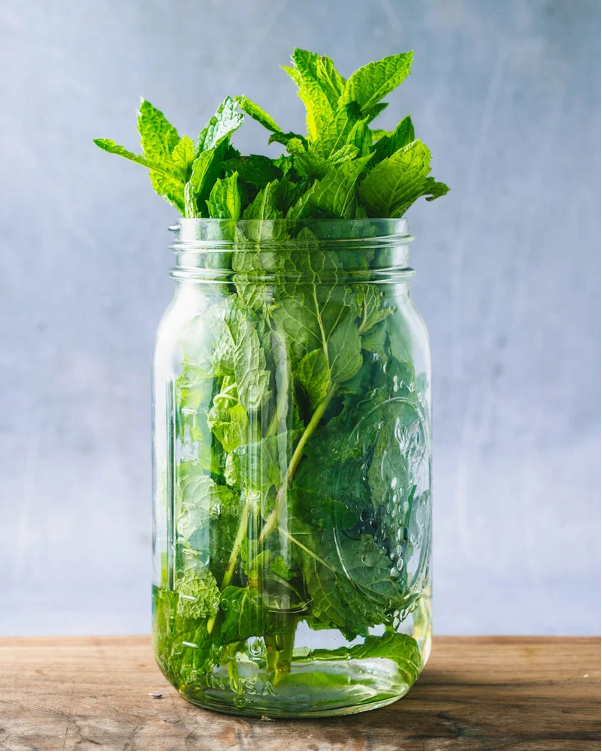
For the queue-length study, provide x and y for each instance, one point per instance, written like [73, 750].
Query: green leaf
[391, 187]
[368, 85]
[344, 350]
[285, 138]
[312, 503]
[264, 207]
[331, 81]
[353, 597]
[307, 163]
[314, 90]
[361, 137]
[244, 614]
[205, 171]
[399, 648]
[336, 131]
[190, 206]
[378, 133]
[200, 499]
[374, 341]
[165, 178]
[169, 188]
[158, 137]
[391, 142]
[371, 307]
[374, 111]
[254, 111]
[226, 120]
[230, 425]
[198, 594]
[224, 201]
[302, 207]
[239, 352]
[432, 189]
[313, 373]
[183, 154]
[107, 145]
[344, 154]
[335, 193]
[279, 566]
[256, 170]
[263, 463]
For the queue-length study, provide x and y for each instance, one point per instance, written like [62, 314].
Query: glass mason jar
[292, 468]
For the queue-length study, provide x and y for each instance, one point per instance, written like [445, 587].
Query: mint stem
[229, 573]
[272, 521]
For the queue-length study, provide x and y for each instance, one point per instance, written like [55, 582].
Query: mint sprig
[340, 166]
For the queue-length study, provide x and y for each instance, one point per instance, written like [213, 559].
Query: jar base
[272, 714]
[334, 689]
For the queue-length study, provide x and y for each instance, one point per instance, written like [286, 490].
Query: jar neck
[273, 251]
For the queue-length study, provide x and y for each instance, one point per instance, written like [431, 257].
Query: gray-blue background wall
[507, 96]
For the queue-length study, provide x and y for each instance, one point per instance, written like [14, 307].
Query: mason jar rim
[222, 234]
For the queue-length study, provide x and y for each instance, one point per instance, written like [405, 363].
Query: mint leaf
[370, 113]
[157, 136]
[164, 178]
[314, 89]
[335, 193]
[183, 155]
[107, 145]
[198, 594]
[400, 648]
[393, 185]
[368, 85]
[378, 133]
[336, 131]
[200, 499]
[226, 120]
[258, 114]
[205, 171]
[344, 350]
[371, 307]
[240, 353]
[169, 188]
[256, 170]
[313, 373]
[230, 425]
[391, 142]
[279, 566]
[301, 208]
[225, 201]
[332, 83]
[361, 137]
[263, 463]
[244, 614]
[264, 206]
[284, 138]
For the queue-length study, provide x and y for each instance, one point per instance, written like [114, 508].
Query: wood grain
[477, 693]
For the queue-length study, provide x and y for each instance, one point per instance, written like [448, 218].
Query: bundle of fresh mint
[286, 511]
[341, 168]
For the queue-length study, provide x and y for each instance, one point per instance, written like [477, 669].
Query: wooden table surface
[476, 693]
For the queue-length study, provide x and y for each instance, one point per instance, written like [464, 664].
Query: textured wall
[507, 96]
